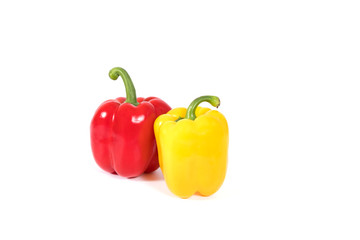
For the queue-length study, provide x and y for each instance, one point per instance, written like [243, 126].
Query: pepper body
[192, 153]
[122, 136]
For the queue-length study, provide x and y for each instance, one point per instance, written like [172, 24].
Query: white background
[287, 74]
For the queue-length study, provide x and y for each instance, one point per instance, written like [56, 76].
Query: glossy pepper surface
[122, 135]
[193, 145]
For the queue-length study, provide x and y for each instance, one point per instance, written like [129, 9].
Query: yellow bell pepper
[192, 145]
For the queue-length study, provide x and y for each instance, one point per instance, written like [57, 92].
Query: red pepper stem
[129, 86]
[190, 112]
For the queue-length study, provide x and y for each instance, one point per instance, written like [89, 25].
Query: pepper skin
[193, 147]
[122, 136]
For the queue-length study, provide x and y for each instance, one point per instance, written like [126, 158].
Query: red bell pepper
[122, 135]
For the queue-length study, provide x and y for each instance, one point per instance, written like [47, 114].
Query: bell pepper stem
[129, 86]
[190, 112]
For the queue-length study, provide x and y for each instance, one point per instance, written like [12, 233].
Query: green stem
[129, 86]
[190, 112]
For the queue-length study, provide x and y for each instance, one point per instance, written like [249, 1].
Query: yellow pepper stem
[190, 112]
